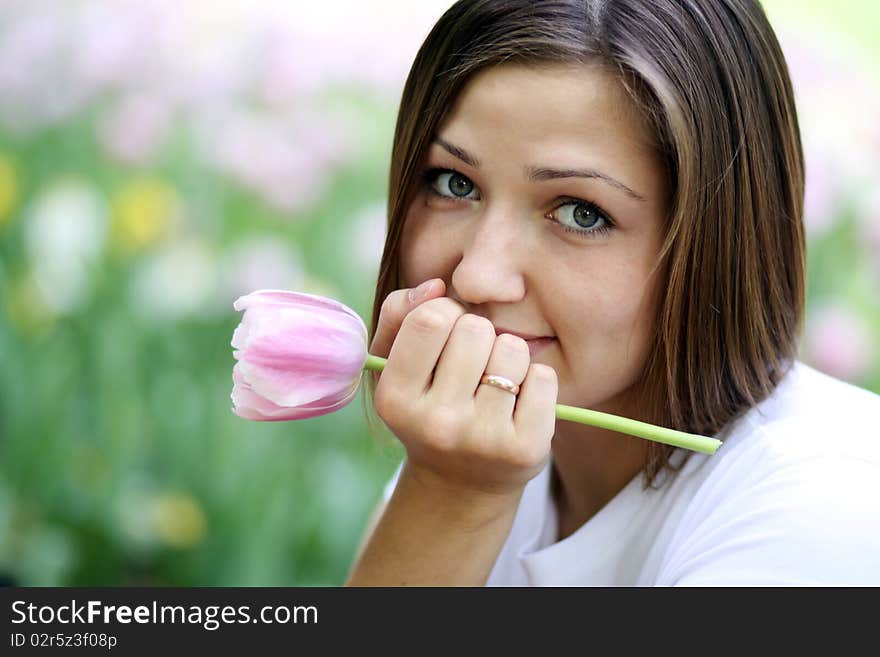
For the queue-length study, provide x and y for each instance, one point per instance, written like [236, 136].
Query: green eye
[459, 185]
[584, 218]
[447, 183]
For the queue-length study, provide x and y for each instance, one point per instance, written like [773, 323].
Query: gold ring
[500, 382]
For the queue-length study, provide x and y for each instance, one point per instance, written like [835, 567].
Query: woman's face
[543, 209]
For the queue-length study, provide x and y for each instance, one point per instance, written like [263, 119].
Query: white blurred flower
[368, 237]
[177, 282]
[839, 343]
[65, 231]
[147, 518]
[134, 130]
[260, 262]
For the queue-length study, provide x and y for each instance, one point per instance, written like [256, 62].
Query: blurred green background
[159, 159]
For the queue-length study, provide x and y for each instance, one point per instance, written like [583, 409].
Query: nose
[492, 260]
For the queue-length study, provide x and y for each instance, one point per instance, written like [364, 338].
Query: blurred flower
[26, 306]
[46, 556]
[120, 43]
[179, 520]
[8, 189]
[822, 191]
[299, 356]
[135, 130]
[65, 230]
[838, 102]
[143, 211]
[177, 282]
[344, 37]
[369, 235]
[131, 516]
[839, 343]
[261, 262]
[286, 166]
[869, 216]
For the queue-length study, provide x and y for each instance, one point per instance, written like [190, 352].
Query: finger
[510, 359]
[419, 343]
[395, 308]
[463, 360]
[535, 414]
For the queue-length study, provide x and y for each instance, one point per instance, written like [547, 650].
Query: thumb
[396, 307]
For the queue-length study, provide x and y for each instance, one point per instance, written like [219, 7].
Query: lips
[537, 343]
[525, 336]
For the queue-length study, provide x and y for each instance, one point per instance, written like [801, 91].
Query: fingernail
[416, 294]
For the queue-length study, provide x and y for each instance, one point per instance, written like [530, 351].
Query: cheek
[616, 312]
[423, 253]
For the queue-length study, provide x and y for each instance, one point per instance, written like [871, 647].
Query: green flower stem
[613, 422]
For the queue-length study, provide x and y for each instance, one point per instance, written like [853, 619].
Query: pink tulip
[299, 356]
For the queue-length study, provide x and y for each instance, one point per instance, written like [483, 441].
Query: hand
[459, 434]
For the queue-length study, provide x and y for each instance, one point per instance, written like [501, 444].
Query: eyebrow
[539, 174]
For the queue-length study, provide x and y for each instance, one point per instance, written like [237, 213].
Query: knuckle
[530, 456]
[387, 401]
[512, 343]
[543, 373]
[474, 325]
[447, 305]
[441, 427]
[518, 456]
[426, 319]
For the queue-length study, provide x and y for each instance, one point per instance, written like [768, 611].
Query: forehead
[581, 102]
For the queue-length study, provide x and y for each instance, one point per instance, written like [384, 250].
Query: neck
[590, 467]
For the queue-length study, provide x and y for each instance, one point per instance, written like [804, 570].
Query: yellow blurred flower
[144, 210]
[8, 189]
[26, 306]
[179, 520]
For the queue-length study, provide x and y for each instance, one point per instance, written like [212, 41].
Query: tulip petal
[293, 389]
[294, 357]
[288, 298]
[249, 405]
[298, 355]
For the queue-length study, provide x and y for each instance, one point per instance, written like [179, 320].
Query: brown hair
[711, 82]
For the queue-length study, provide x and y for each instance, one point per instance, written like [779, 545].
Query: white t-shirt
[791, 498]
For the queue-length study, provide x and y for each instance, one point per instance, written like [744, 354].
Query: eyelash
[430, 174]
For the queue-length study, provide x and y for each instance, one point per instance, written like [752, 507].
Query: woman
[602, 202]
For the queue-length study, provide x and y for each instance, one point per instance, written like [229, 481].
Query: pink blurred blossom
[35, 72]
[369, 44]
[821, 191]
[261, 262]
[839, 343]
[122, 43]
[869, 222]
[135, 130]
[286, 164]
[838, 100]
